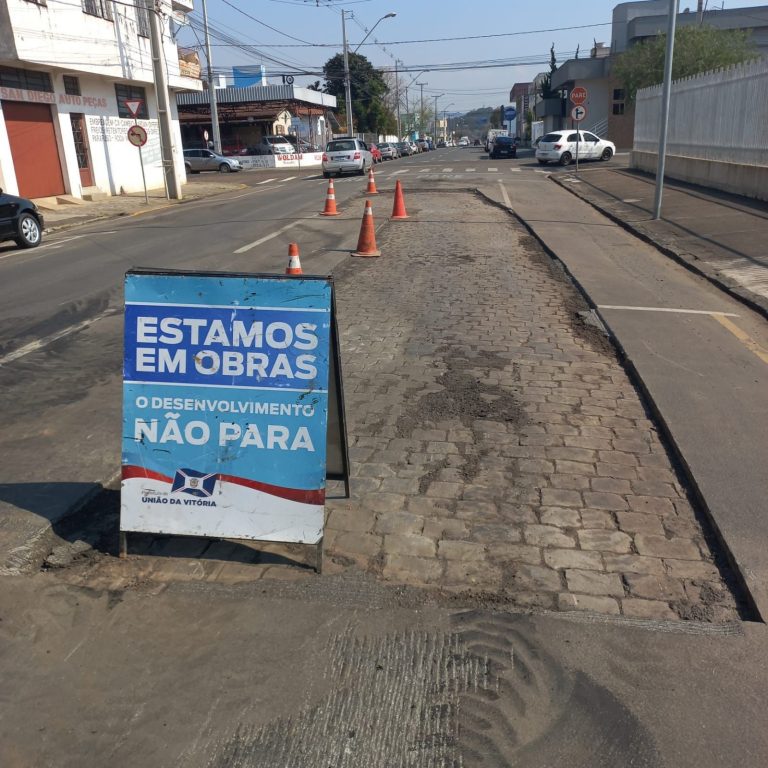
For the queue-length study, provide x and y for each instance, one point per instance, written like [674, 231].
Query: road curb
[755, 303]
[710, 523]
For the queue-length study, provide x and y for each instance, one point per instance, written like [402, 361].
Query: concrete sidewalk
[719, 235]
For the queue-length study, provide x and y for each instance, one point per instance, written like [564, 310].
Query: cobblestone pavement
[497, 444]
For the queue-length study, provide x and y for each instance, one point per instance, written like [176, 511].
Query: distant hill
[476, 122]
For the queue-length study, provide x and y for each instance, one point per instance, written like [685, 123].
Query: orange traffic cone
[294, 264]
[366, 243]
[330, 201]
[398, 210]
[371, 184]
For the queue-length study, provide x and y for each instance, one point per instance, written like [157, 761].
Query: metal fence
[720, 115]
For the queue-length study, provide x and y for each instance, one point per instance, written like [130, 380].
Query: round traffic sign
[578, 113]
[579, 95]
[137, 136]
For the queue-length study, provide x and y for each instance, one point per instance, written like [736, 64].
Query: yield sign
[133, 106]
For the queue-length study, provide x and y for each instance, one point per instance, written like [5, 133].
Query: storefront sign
[225, 408]
[44, 97]
[304, 160]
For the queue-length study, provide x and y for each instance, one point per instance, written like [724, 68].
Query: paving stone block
[558, 497]
[400, 485]
[355, 543]
[654, 587]
[647, 609]
[573, 558]
[569, 482]
[633, 564]
[651, 505]
[472, 575]
[384, 502]
[638, 522]
[570, 602]
[681, 528]
[421, 505]
[351, 519]
[477, 510]
[490, 532]
[460, 550]
[534, 578]
[560, 517]
[593, 583]
[516, 513]
[611, 485]
[605, 541]
[447, 528]
[691, 569]
[547, 536]
[617, 457]
[410, 570]
[535, 466]
[442, 490]
[607, 501]
[507, 552]
[581, 455]
[659, 546]
[410, 544]
[399, 522]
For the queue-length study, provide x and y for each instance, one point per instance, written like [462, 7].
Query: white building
[67, 67]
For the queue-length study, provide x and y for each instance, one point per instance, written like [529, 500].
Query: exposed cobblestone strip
[496, 442]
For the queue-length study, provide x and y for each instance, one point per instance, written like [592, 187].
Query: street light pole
[421, 114]
[434, 117]
[370, 31]
[347, 85]
[397, 98]
[665, 99]
[211, 87]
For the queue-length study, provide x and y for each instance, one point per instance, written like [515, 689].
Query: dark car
[503, 146]
[20, 221]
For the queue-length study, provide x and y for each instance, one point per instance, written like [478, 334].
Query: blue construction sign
[225, 404]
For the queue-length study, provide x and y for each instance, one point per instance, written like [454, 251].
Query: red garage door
[33, 148]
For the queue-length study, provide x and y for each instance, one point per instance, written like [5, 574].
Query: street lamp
[434, 117]
[445, 109]
[386, 16]
[347, 81]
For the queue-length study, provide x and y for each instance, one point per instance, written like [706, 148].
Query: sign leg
[123, 544]
[319, 557]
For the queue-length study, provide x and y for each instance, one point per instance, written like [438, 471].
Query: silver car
[389, 151]
[346, 156]
[196, 160]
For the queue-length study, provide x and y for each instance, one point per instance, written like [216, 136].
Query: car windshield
[503, 140]
[277, 140]
[552, 137]
[340, 146]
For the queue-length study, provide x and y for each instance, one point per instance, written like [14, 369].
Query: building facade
[69, 75]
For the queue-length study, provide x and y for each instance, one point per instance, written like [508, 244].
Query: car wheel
[607, 154]
[326, 175]
[565, 158]
[224, 168]
[30, 234]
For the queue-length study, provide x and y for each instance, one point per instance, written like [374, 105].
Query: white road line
[504, 194]
[33, 346]
[266, 181]
[668, 309]
[515, 170]
[264, 239]
[632, 200]
[469, 170]
[493, 170]
[404, 170]
[447, 170]
[290, 178]
[425, 170]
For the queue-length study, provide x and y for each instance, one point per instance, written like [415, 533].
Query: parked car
[503, 146]
[441, 144]
[415, 147]
[404, 148]
[430, 145]
[20, 220]
[346, 156]
[464, 141]
[423, 145]
[389, 151]
[273, 145]
[376, 153]
[196, 160]
[560, 147]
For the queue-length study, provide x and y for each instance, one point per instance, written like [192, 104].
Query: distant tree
[697, 49]
[546, 86]
[369, 91]
[577, 51]
[316, 86]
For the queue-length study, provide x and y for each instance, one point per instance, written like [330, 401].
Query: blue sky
[520, 56]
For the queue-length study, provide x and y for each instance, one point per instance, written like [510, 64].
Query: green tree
[369, 93]
[697, 49]
[546, 86]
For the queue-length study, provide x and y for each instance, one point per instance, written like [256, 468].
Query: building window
[72, 85]
[131, 93]
[618, 94]
[10, 77]
[38, 2]
[100, 8]
[618, 108]
[142, 18]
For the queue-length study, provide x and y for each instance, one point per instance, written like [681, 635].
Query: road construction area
[530, 570]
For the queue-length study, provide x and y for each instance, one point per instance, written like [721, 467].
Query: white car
[346, 156]
[560, 147]
[464, 141]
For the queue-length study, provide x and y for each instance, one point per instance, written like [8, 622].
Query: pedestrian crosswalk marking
[470, 170]
[447, 170]
[493, 170]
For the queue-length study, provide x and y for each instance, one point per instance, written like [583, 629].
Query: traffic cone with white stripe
[398, 210]
[366, 243]
[330, 201]
[294, 263]
[371, 183]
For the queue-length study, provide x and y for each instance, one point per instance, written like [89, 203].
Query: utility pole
[172, 184]
[434, 117]
[347, 84]
[397, 95]
[421, 115]
[665, 99]
[211, 86]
